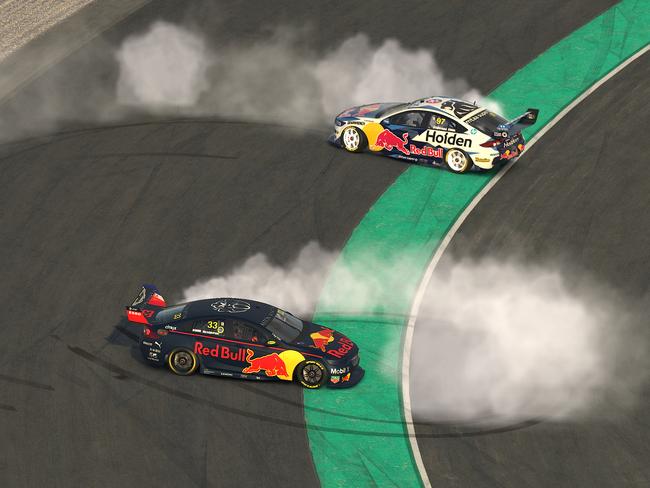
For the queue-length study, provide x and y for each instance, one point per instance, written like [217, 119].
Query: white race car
[434, 131]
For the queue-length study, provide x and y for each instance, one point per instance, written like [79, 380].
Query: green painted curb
[409, 220]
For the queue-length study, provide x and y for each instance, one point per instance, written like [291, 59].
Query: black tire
[311, 374]
[457, 160]
[182, 362]
[353, 139]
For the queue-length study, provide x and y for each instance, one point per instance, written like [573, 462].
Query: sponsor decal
[388, 141]
[346, 377]
[474, 118]
[345, 346]
[509, 143]
[433, 101]
[335, 379]
[147, 343]
[482, 160]
[449, 139]
[220, 351]
[170, 327]
[226, 305]
[356, 122]
[322, 338]
[271, 364]
[426, 151]
[509, 154]
[458, 107]
[338, 371]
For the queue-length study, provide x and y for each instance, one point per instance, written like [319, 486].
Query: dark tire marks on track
[587, 208]
[86, 217]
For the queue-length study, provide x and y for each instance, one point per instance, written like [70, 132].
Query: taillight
[149, 333]
[491, 143]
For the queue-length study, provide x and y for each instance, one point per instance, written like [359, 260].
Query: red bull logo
[271, 364]
[388, 141]
[322, 338]
[220, 351]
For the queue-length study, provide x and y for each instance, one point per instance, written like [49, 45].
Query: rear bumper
[355, 377]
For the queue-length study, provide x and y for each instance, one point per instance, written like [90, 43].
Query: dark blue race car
[243, 339]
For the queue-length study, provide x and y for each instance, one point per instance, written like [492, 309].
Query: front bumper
[354, 378]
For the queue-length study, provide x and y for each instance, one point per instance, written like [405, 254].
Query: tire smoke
[493, 340]
[275, 81]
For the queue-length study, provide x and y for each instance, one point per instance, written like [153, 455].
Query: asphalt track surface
[87, 215]
[588, 211]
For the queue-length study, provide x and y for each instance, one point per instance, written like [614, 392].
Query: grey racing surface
[90, 213]
[588, 210]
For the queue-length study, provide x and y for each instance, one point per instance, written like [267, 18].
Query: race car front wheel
[182, 362]
[457, 161]
[311, 374]
[353, 139]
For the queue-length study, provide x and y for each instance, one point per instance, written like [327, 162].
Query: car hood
[332, 344]
[369, 111]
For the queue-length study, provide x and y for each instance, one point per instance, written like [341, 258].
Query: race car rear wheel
[353, 139]
[182, 362]
[311, 374]
[458, 161]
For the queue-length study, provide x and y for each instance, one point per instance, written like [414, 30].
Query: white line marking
[419, 295]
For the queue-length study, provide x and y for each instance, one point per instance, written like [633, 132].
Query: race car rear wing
[145, 305]
[517, 124]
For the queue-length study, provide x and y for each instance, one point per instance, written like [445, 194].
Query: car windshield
[172, 312]
[486, 121]
[285, 326]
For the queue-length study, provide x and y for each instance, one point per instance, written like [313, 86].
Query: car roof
[250, 310]
[460, 109]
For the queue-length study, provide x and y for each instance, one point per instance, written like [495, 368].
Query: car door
[400, 132]
[208, 342]
[244, 347]
[442, 132]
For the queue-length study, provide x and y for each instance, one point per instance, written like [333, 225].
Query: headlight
[339, 123]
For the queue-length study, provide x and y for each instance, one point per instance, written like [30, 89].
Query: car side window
[243, 331]
[440, 122]
[413, 118]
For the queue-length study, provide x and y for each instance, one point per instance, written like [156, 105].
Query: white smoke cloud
[276, 80]
[511, 342]
[495, 340]
[167, 66]
[173, 70]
